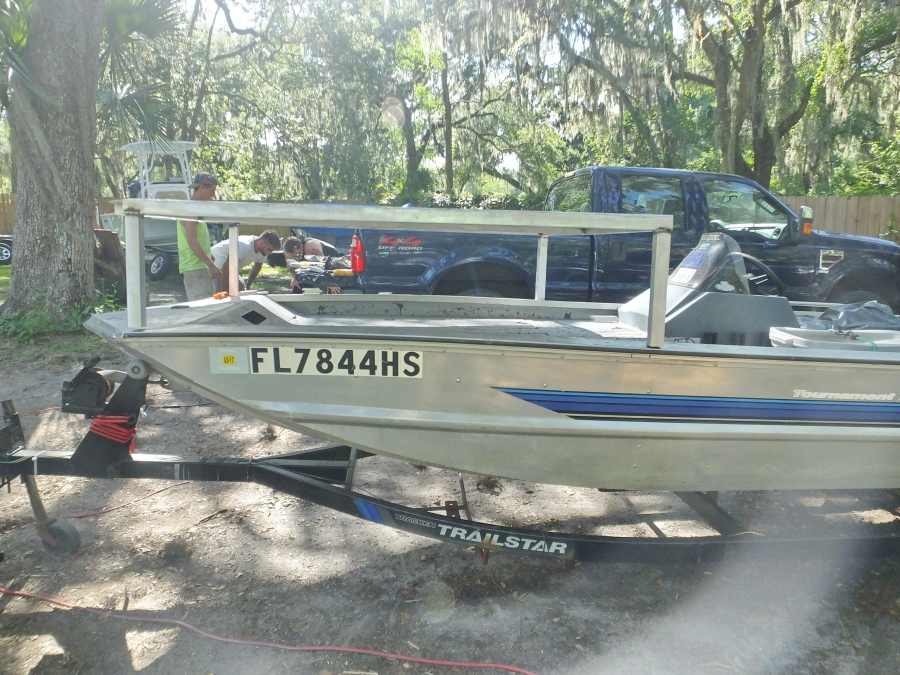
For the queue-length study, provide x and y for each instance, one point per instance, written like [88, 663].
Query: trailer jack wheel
[61, 537]
[57, 536]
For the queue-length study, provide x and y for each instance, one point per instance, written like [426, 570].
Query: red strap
[116, 428]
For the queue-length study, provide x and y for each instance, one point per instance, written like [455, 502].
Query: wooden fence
[8, 211]
[868, 216]
[856, 215]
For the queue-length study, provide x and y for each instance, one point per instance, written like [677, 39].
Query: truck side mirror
[806, 220]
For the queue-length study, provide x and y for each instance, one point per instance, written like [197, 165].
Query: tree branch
[724, 9]
[487, 138]
[615, 84]
[866, 44]
[693, 77]
[260, 37]
[713, 49]
[235, 52]
[473, 116]
[426, 139]
[201, 91]
[193, 22]
[775, 12]
[247, 102]
[490, 171]
[234, 29]
[788, 122]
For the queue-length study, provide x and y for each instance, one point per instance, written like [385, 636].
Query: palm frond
[129, 107]
[127, 22]
[15, 16]
[14, 19]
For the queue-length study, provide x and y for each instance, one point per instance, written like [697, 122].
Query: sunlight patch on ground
[315, 544]
[650, 504]
[873, 516]
[146, 646]
[57, 429]
[685, 528]
[625, 530]
[40, 646]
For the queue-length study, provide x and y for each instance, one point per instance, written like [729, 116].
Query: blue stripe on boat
[368, 510]
[599, 404]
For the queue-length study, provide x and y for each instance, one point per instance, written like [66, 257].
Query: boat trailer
[325, 476]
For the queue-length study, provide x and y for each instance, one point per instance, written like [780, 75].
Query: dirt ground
[241, 561]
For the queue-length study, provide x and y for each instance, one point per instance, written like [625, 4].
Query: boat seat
[708, 298]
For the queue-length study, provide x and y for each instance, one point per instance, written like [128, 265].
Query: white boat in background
[164, 172]
[678, 389]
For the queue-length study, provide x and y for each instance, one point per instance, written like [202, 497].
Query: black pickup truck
[794, 259]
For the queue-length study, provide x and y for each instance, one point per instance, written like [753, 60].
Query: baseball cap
[204, 179]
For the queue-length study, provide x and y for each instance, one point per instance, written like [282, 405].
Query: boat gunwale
[715, 351]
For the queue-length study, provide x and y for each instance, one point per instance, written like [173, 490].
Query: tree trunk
[718, 54]
[764, 154]
[409, 146]
[448, 129]
[110, 172]
[54, 124]
[414, 152]
[734, 107]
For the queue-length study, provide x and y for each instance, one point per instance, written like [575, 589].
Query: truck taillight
[357, 255]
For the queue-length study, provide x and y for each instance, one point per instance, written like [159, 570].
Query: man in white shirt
[251, 249]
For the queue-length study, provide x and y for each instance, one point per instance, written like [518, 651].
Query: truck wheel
[5, 253]
[481, 292]
[848, 297]
[160, 266]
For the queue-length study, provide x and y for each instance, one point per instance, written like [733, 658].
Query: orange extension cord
[472, 665]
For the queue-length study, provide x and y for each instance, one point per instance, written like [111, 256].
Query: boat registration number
[313, 359]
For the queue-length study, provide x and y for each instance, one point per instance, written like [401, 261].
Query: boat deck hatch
[253, 317]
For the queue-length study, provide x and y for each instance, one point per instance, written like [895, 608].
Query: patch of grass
[26, 326]
[35, 337]
[273, 279]
[5, 276]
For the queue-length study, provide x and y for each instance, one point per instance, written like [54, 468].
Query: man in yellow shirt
[194, 259]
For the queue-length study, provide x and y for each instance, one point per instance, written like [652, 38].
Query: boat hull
[615, 419]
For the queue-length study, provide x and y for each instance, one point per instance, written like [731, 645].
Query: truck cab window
[572, 194]
[659, 195]
[738, 206]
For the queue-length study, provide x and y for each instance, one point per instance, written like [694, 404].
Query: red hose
[473, 665]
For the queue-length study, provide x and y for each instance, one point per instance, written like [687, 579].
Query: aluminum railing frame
[391, 218]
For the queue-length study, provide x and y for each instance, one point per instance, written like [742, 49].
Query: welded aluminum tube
[659, 277]
[540, 270]
[135, 280]
[234, 285]
[476, 221]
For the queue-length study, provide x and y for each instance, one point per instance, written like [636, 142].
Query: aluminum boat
[678, 389]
